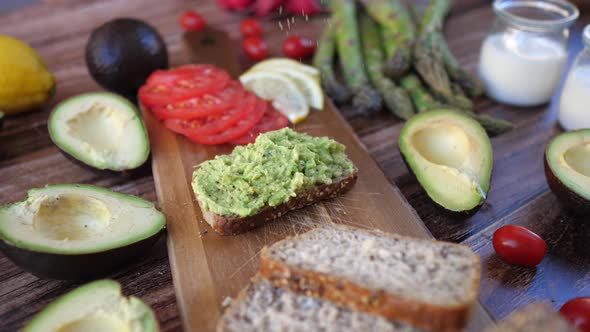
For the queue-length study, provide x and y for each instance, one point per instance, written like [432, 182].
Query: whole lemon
[25, 82]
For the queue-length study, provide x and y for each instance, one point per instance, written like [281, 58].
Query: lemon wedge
[274, 63]
[284, 92]
[306, 83]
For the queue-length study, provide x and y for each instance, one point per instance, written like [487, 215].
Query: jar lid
[541, 15]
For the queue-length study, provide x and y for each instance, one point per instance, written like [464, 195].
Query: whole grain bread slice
[535, 317]
[262, 307]
[425, 283]
[228, 225]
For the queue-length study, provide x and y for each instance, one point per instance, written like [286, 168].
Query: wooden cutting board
[208, 268]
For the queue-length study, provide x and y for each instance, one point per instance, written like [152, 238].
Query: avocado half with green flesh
[77, 231]
[451, 156]
[98, 306]
[567, 168]
[101, 130]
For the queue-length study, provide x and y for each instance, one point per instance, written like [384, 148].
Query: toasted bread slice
[227, 225]
[535, 317]
[262, 307]
[429, 284]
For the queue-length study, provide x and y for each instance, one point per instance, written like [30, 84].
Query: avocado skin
[459, 215]
[75, 267]
[122, 53]
[573, 202]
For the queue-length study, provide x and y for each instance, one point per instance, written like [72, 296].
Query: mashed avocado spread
[268, 172]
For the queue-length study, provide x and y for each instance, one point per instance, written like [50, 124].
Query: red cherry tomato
[192, 21]
[299, 47]
[255, 48]
[250, 28]
[519, 246]
[577, 311]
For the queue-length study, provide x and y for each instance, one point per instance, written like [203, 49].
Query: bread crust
[431, 317]
[225, 225]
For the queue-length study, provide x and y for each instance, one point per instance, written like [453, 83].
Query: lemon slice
[282, 90]
[287, 63]
[310, 87]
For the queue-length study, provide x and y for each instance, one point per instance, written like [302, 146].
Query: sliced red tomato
[215, 123]
[272, 120]
[205, 105]
[239, 129]
[170, 86]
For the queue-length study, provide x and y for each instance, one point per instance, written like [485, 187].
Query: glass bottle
[523, 56]
[574, 105]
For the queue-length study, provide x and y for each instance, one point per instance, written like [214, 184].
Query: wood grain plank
[207, 267]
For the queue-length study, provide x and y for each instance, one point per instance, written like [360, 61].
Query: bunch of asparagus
[398, 56]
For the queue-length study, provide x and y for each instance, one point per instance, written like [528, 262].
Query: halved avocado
[567, 168]
[77, 231]
[102, 130]
[98, 306]
[451, 156]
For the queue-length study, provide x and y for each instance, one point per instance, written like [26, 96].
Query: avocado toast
[282, 171]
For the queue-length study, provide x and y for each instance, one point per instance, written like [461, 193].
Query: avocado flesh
[102, 130]
[78, 219]
[95, 307]
[451, 156]
[568, 157]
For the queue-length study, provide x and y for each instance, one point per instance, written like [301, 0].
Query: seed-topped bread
[535, 317]
[429, 284]
[262, 307]
[282, 171]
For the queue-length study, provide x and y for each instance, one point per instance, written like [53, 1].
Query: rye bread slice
[535, 317]
[228, 225]
[425, 283]
[262, 307]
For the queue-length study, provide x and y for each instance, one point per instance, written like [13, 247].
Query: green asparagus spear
[423, 101]
[324, 61]
[470, 84]
[428, 60]
[398, 32]
[493, 126]
[344, 14]
[396, 99]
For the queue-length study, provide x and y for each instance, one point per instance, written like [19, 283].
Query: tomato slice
[215, 123]
[205, 105]
[272, 120]
[168, 86]
[239, 129]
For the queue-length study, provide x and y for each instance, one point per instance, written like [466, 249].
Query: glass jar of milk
[523, 56]
[574, 106]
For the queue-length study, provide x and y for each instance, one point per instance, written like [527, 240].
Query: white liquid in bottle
[521, 69]
[574, 107]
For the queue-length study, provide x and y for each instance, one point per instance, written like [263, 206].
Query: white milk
[520, 68]
[574, 107]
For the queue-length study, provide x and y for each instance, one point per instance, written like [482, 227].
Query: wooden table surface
[58, 29]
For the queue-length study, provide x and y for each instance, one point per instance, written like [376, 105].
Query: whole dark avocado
[122, 53]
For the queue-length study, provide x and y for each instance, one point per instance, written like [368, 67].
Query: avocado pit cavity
[577, 158]
[443, 144]
[100, 129]
[71, 217]
[96, 322]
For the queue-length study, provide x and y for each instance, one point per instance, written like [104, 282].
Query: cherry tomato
[255, 48]
[298, 47]
[577, 311]
[519, 246]
[192, 21]
[250, 28]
